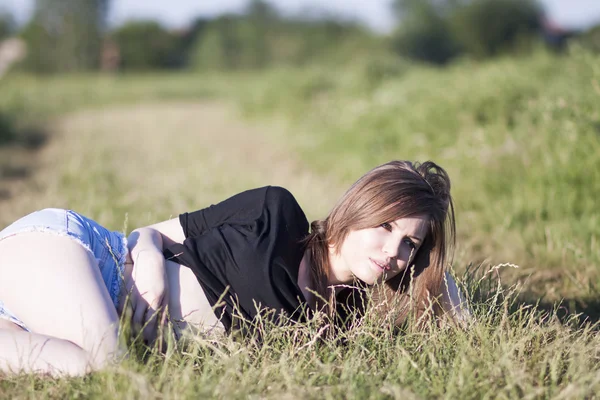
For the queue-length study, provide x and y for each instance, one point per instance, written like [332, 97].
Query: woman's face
[378, 254]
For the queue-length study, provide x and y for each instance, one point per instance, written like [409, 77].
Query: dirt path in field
[164, 157]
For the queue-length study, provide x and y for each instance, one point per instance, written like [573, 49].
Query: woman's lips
[381, 266]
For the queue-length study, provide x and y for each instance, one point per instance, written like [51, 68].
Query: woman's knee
[25, 352]
[76, 361]
[104, 348]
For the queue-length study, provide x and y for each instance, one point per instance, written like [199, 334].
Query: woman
[218, 267]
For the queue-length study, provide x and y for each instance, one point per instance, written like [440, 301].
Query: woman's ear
[333, 246]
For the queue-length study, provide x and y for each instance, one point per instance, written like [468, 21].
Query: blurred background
[100, 101]
[129, 35]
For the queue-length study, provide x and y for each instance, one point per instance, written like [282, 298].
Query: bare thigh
[187, 301]
[9, 326]
[34, 353]
[54, 286]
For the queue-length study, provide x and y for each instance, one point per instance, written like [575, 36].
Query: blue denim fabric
[6, 314]
[109, 248]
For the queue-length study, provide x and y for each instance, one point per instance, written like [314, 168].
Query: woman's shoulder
[283, 203]
[279, 194]
[281, 197]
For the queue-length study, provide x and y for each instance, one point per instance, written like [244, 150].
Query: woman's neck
[337, 273]
[306, 283]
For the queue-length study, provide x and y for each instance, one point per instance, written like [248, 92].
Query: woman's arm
[148, 285]
[170, 231]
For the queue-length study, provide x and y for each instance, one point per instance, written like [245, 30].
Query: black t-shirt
[246, 253]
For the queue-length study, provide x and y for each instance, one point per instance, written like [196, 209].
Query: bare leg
[54, 286]
[33, 353]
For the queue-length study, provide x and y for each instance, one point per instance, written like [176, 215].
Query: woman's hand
[147, 285]
[148, 294]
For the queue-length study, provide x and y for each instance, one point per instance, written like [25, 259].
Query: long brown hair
[397, 189]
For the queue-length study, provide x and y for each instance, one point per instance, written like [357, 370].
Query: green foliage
[145, 45]
[65, 35]
[234, 42]
[262, 39]
[591, 39]
[424, 32]
[326, 41]
[220, 46]
[7, 25]
[378, 69]
[485, 28]
[438, 31]
[7, 133]
[190, 37]
[428, 38]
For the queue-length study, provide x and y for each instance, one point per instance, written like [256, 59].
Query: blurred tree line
[65, 35]
[72, 35]
[591, 39]
[257, 38]
[7, 25]
[440, 30]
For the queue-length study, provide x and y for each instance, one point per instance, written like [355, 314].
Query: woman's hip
[108, 248]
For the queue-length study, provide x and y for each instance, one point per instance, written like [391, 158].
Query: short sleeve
[238, 209]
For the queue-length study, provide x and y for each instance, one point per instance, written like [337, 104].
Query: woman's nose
[391, 248]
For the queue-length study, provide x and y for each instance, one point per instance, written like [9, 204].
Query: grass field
[520, 139]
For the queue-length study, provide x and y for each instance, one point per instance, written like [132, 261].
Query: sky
[570, 14]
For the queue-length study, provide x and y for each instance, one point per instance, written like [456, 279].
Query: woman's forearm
[148, 284]
[145, 240]
[149, 270]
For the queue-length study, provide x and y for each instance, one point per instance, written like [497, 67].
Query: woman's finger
[138, 317]
[150, 325]
[164, 310]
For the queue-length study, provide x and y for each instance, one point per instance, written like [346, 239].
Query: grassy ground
[519, 138]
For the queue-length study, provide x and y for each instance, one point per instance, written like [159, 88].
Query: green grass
[520, 139]
[503, 355]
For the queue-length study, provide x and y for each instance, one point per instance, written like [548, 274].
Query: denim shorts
[108, 248]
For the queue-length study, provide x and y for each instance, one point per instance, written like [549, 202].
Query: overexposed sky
[571, 14]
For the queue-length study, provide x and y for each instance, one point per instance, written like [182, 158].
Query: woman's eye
[386, 226]
[410, 243]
